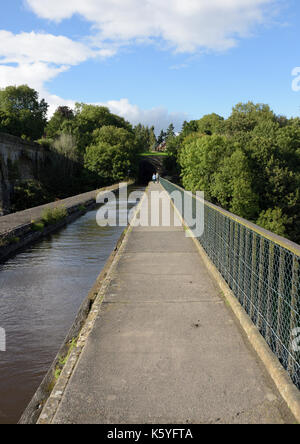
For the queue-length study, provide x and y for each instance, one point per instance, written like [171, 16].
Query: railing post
[219, 243]
[260, 292]
[253, 277]
[227, 252]
[231, 255]
[270, 301]
[247, 273]
[280, 306]
[237, 252]
[216, 241]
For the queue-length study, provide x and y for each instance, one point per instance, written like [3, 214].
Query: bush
[45, 142]
[29, 194]
[51, 216]
[37, 226]
[6, 241]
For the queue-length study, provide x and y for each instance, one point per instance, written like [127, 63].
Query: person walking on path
[154, 178]
[157, 177]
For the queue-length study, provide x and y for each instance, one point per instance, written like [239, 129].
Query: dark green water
[41, 290]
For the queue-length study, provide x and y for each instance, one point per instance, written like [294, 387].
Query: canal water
[41, 291]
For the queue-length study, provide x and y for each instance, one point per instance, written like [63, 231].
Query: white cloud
[31, 47]
[159, 117]
[187, 26]
[37, 58]
[33, 74]
[37, 74]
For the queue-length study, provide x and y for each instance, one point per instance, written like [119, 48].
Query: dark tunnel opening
[146, 170]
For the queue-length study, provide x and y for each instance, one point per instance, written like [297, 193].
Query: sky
[154, 61]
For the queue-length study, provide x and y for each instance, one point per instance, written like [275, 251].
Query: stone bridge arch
[149, 165]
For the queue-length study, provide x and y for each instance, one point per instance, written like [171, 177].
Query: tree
[232, 186]
[60, 122]
[112, 154]
[211, 124]
[199, 158]
[21, 105]
[248, 164]
[288, 142]
[171, 164]
[189, 128]
[142, 137]
[161, 137]
[184, 125]
[273, 220]
[88, 118]
[170, 132]
[245, 116]
[9, 123]
[152, 138]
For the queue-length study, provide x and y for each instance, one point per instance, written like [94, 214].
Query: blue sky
[154, 61]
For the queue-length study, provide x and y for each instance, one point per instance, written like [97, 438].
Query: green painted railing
[263, 271]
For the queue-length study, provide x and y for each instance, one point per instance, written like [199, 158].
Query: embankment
[18, 230]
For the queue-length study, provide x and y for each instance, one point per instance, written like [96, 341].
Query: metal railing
[263, 272]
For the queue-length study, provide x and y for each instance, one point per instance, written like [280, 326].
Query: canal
[41, 291]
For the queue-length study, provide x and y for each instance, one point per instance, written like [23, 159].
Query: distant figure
[157, 177]
[154, 177]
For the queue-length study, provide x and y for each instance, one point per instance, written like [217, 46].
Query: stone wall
[19, 161]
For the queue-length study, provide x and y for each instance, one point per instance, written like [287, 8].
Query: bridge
[148, 165]
[188, 330]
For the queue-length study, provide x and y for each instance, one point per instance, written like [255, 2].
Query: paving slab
[162, 242]
[175, 288]
[166, 349]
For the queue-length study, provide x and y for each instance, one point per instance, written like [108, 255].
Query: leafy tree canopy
[170, 132]
[249, 164]
[22, 114]
[144, 138]
[245, 116]
[112, 154]
[211, 124]
[161, 137]
[89, 118]
[62, 121]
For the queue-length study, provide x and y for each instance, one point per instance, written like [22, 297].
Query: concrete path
[165, 348]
